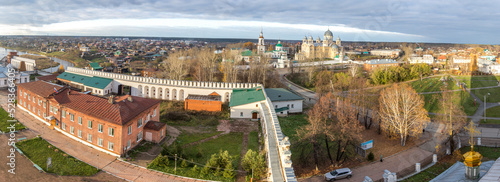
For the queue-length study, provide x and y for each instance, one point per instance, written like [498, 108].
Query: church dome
[328, 33]
[279, 44]
[334, 46]
[310, 37]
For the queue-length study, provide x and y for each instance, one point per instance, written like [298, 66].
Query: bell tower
[261, 47]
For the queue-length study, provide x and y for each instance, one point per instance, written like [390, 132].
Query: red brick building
[113, 125]
[210, 102]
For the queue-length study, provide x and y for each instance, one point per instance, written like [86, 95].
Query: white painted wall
[297, 105]
[16, 62]
[246, 109]
[170, 89]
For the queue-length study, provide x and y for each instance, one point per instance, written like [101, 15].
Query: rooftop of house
[281, 94]
[204, 97]
[154, 125]
[246, 96]
[121, 110]
[48, 77]
[95, 66]
[40, 88]
[94, 81]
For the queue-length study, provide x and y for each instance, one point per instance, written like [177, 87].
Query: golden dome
[472, 159]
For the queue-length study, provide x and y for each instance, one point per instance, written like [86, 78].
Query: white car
[338, 174]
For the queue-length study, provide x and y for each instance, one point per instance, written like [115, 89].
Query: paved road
[86, 154]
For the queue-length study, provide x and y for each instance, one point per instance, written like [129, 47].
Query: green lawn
[429, 173]
[431, 85]
[186, 138]
[490, 121]
[199, 155]
[4, 116]
[290, 124]
[230, 142]
[464, 100]
[37, 150]
[479, 81]
[493, 97]
[253, 141]
[489, 153]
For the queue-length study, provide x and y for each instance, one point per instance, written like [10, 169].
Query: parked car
[338, 174]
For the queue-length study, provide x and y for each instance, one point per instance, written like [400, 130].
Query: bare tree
[319, 125]
[402, 111]
[176, 67]
[348, 129]
[451, 114]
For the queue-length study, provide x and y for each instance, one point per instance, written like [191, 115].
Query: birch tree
[402, 112]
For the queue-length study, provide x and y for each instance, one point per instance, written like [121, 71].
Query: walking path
[103, 161]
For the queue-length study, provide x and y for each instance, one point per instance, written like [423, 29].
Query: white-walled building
[427, 59]
[244, 103]
[385, 52]
[30, 63]
[18, 77]
[284, 101]
[459, 60]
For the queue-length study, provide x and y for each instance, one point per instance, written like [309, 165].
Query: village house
[112, 125]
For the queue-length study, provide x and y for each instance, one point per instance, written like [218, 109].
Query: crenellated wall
[164, 89]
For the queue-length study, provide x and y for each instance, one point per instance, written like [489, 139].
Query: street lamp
[484, 119]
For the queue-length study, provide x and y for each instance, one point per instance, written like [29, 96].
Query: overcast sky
[452, 21]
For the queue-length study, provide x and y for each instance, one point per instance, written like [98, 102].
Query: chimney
[129, 98]
[111, 100]
[68, 91]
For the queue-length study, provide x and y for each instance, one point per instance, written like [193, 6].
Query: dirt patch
[195, 129]
[244, 126]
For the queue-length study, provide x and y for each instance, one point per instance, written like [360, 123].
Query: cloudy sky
[450, 21]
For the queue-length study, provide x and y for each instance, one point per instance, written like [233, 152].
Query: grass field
[431, 85]
[4, 116]
[230, 142]
[464, 99]
[479, 81]
[290, 124]
[493, 97]
[429, 173]
[253, 141]
[38, 150]
[186, 138]
[489, 153]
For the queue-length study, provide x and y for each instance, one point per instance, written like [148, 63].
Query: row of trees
[203, 64]
[397, 74]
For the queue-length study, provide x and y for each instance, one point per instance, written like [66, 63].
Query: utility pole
[175, 168]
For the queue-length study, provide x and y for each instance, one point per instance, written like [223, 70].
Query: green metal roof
[281, 109]
[281, 94]
[96, 82]
[247, 53]
[246, 96]
[95, 66]
[74, 77]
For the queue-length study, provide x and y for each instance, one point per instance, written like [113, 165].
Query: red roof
[154, 125]
[119, 112]
[40, 88]
[48, 78]
[442, 57]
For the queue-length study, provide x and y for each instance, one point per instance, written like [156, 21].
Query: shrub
[371, 156]
[184, 164]
[229, 171]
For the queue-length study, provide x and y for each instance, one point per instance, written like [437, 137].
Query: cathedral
[320, 49]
